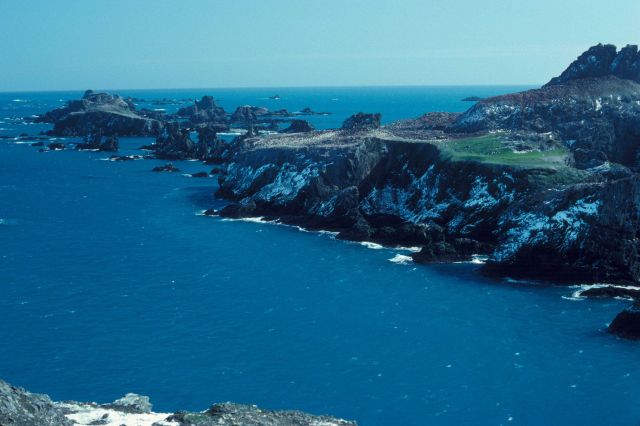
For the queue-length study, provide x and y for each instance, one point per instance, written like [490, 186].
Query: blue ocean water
[111, 283]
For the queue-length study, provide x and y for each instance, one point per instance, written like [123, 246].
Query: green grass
[492, 149]
[545, 169]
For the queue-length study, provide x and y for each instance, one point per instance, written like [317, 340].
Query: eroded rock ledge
[19, 407]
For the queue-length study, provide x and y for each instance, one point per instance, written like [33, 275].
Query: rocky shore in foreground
[19, 407]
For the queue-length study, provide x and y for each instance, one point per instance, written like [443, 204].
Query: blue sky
[118, 44]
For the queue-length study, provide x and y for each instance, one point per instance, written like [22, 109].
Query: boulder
[627, 323]
[131, 403]
[166, 168]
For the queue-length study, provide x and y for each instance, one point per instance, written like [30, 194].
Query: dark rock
[56, 146]
[239, 210]
[586, 159]
[211, 212]
[309, 111]
[472, 99]
[200, 175]
[175, 143]
[627, 323]
[110, 144]
[609, 292]
[40, 143]
[458, 250]
[362, 121]
[603, 60]
[248, 114]
[125, 157]
[298, 126]
[93, 141]
[166, 168]
[205, 111]
[595, 62]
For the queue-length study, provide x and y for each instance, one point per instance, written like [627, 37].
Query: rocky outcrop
[627, 323]
[109, 114]
[166, 168]
[95, 141]
[175, 143]
[21, 408]
[603, 60]
[298, 126]
[205, 111]
[362, 121]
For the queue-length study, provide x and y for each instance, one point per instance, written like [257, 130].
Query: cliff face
[21, 408]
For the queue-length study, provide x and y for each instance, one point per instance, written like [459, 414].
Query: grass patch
[494, 148]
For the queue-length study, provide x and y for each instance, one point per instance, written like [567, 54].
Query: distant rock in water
[248, 114]
[166, 168]
[472, 99]
[94, 141]
[205, 111]
[362, 121]
[175, 143]
[110, 114]
[610, 292]
[627, 323]
[200, 175]
[298, 126]
[21, 408]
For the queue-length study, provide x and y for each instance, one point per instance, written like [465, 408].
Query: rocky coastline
[544, 183]
[19, 407]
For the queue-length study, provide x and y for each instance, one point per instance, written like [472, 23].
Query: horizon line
[277, 87]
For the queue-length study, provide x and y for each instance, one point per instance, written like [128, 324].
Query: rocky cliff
[543, 182]
[21, 408]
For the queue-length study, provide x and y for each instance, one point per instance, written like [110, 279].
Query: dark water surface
[111, 283]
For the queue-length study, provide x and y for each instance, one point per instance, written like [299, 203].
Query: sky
[138, 44]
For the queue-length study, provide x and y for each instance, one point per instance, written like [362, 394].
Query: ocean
[112, 282]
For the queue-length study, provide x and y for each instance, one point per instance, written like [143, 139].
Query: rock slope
[21, 408]
[109, 114]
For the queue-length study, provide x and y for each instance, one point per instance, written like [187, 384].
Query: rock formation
[543, 182]
[110, 114]
[362, 121]
[205, 111]
[298, 126]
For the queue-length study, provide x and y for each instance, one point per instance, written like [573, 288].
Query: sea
[111, 281]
